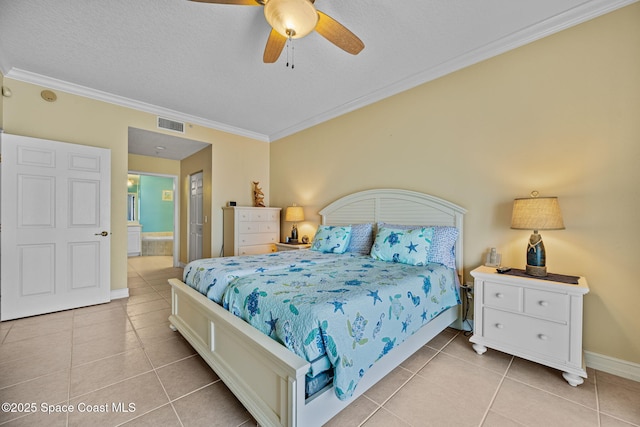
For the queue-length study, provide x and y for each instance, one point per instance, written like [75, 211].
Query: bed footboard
[267, 378]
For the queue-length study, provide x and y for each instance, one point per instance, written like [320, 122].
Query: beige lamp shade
[294, 214]
[291, 18]
[537, 213]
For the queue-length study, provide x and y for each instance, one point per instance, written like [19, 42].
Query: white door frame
[176, 211]
[189, 215]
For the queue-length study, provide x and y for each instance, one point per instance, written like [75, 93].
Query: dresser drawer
[502, 296]
[269, 227]
[248, 227]
[243, 215]
[258, 227]
[257, 238]
[546, 305]
[256, 249]
[526, 334]
[266, 215]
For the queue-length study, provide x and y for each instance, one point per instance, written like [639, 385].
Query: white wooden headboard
[397, 207]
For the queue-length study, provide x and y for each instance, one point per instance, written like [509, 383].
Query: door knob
[103, 234]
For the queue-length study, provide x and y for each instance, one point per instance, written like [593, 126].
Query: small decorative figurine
[258, 195]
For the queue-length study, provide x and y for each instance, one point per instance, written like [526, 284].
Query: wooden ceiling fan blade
[338, 34]
[274, 47]
[237, 2]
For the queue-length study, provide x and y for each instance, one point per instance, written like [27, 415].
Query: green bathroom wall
[156, 214]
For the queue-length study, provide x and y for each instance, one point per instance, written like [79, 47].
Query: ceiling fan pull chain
[288, 40]
[290, 47]
[292, 55]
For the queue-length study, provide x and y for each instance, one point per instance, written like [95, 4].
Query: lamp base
[534, 270]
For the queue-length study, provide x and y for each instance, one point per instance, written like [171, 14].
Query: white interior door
[55, 226]
[195, 217]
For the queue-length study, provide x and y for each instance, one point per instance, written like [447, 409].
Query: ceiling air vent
[171, 125]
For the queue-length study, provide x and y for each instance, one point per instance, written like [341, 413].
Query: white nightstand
[291, 246]
[539, 320]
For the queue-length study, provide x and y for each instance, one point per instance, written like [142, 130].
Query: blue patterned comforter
[351, 309]
[210, 276]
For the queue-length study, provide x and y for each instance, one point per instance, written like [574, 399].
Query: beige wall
[80, 120]
[138, 163]
[561, 116]
[240, 157]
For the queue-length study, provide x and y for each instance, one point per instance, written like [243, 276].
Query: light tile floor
[120, 364]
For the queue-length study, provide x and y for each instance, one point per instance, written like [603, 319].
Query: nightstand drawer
[502, 296]
[526, 334]
[547, 305]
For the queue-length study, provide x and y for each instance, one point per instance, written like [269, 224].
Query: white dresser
[249, 231]
[538, 320]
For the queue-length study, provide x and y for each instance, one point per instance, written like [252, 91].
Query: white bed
[268, 378]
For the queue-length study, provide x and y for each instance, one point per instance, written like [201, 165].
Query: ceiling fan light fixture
[291, 18]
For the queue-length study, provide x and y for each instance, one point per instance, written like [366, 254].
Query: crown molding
[579, 14]
[87, 92]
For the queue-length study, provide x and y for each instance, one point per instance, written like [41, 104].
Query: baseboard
[612, 366]
[119, 293]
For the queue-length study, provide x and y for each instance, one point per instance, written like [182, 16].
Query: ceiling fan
[294, 19]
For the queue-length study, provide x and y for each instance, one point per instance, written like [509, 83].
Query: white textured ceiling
[202, 63]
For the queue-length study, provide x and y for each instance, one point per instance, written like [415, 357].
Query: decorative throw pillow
[361, 238]
[407, 246]
[442, 250]
[333, 239]
[443, 246]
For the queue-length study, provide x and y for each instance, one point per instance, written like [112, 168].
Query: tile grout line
[531, 385]
[595, 386]
[556, 395]
[155, 369]
[600, 413]
[413, 375]
[495, 394]
[73, 317]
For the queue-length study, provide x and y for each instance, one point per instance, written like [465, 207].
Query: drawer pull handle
[499, 295]
[543, 337]
[544, 303]
[499, 325]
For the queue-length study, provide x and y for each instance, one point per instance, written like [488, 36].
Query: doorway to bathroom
[152, 215]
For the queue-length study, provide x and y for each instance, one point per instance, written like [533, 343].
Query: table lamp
[536, 213]
[294, 214]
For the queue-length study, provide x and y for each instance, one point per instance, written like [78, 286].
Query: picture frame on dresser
[533, 318]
